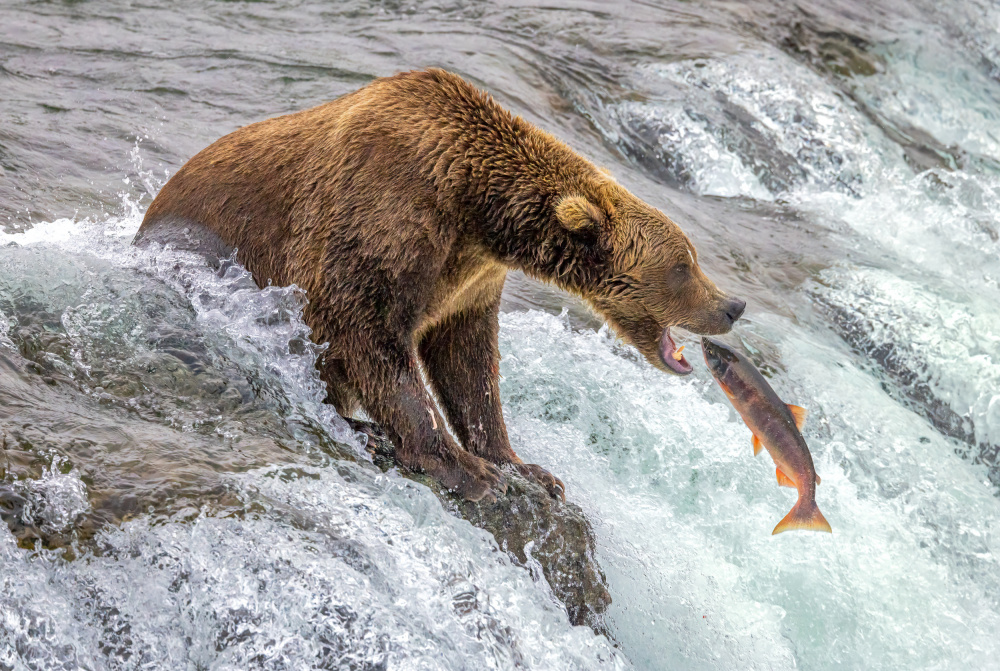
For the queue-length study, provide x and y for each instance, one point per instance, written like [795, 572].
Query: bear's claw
[552, 484]
[467, 475]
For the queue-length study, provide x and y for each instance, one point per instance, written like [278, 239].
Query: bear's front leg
[395, 397]
[462, 360]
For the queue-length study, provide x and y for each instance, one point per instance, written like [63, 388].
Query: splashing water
[56, 499]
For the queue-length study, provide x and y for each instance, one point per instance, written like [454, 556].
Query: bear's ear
[577, 213]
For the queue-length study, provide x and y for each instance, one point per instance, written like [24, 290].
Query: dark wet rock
[561, 543]
[832, 50]
[536, 530]
[920, 149]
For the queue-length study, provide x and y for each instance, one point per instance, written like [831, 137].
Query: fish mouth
[709, 349]
[671, 356]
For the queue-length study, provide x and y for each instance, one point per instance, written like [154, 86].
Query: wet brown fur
[399, 209]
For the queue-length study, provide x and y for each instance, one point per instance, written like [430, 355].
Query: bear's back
[262, 186]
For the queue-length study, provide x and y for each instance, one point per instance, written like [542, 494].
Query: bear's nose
[734, 309]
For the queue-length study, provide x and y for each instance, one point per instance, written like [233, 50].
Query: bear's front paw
[554, 485]
[467, 475]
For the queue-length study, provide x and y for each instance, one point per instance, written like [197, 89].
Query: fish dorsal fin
[783, 479]
[799, 414]
[756, 445]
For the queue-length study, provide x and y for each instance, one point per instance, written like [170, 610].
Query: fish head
[718, 357]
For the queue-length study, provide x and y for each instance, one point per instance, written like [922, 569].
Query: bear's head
[651, 280]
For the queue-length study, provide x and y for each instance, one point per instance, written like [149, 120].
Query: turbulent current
[175, 495]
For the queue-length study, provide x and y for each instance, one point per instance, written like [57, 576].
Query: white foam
[57, 232]
[5, 326]
[791, 123]
[56, 499]
[259, 330]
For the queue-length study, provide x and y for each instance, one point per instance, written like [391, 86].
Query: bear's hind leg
[462, 360]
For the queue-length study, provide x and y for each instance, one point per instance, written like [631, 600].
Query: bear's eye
[681, 269]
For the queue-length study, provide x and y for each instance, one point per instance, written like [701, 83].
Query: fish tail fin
[803, 515]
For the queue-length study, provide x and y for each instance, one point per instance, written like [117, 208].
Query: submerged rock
[833, 50]
[538, 532]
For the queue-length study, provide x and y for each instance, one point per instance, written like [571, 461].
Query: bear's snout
[718, 318]
[734, 309]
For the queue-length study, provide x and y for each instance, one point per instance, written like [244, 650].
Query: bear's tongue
[671, 358]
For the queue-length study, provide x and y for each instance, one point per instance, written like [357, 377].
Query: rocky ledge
[536, 530]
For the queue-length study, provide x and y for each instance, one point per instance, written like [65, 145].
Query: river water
[837, 164]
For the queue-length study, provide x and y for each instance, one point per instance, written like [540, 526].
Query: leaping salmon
[775, 425]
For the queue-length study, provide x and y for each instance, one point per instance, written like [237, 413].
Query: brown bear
[399, 208]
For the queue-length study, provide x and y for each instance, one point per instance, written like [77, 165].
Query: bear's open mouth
[671, 356]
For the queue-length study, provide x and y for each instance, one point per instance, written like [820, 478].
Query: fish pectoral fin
[799, 414]
[783, 479]
[817, 479]
[756, 445]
